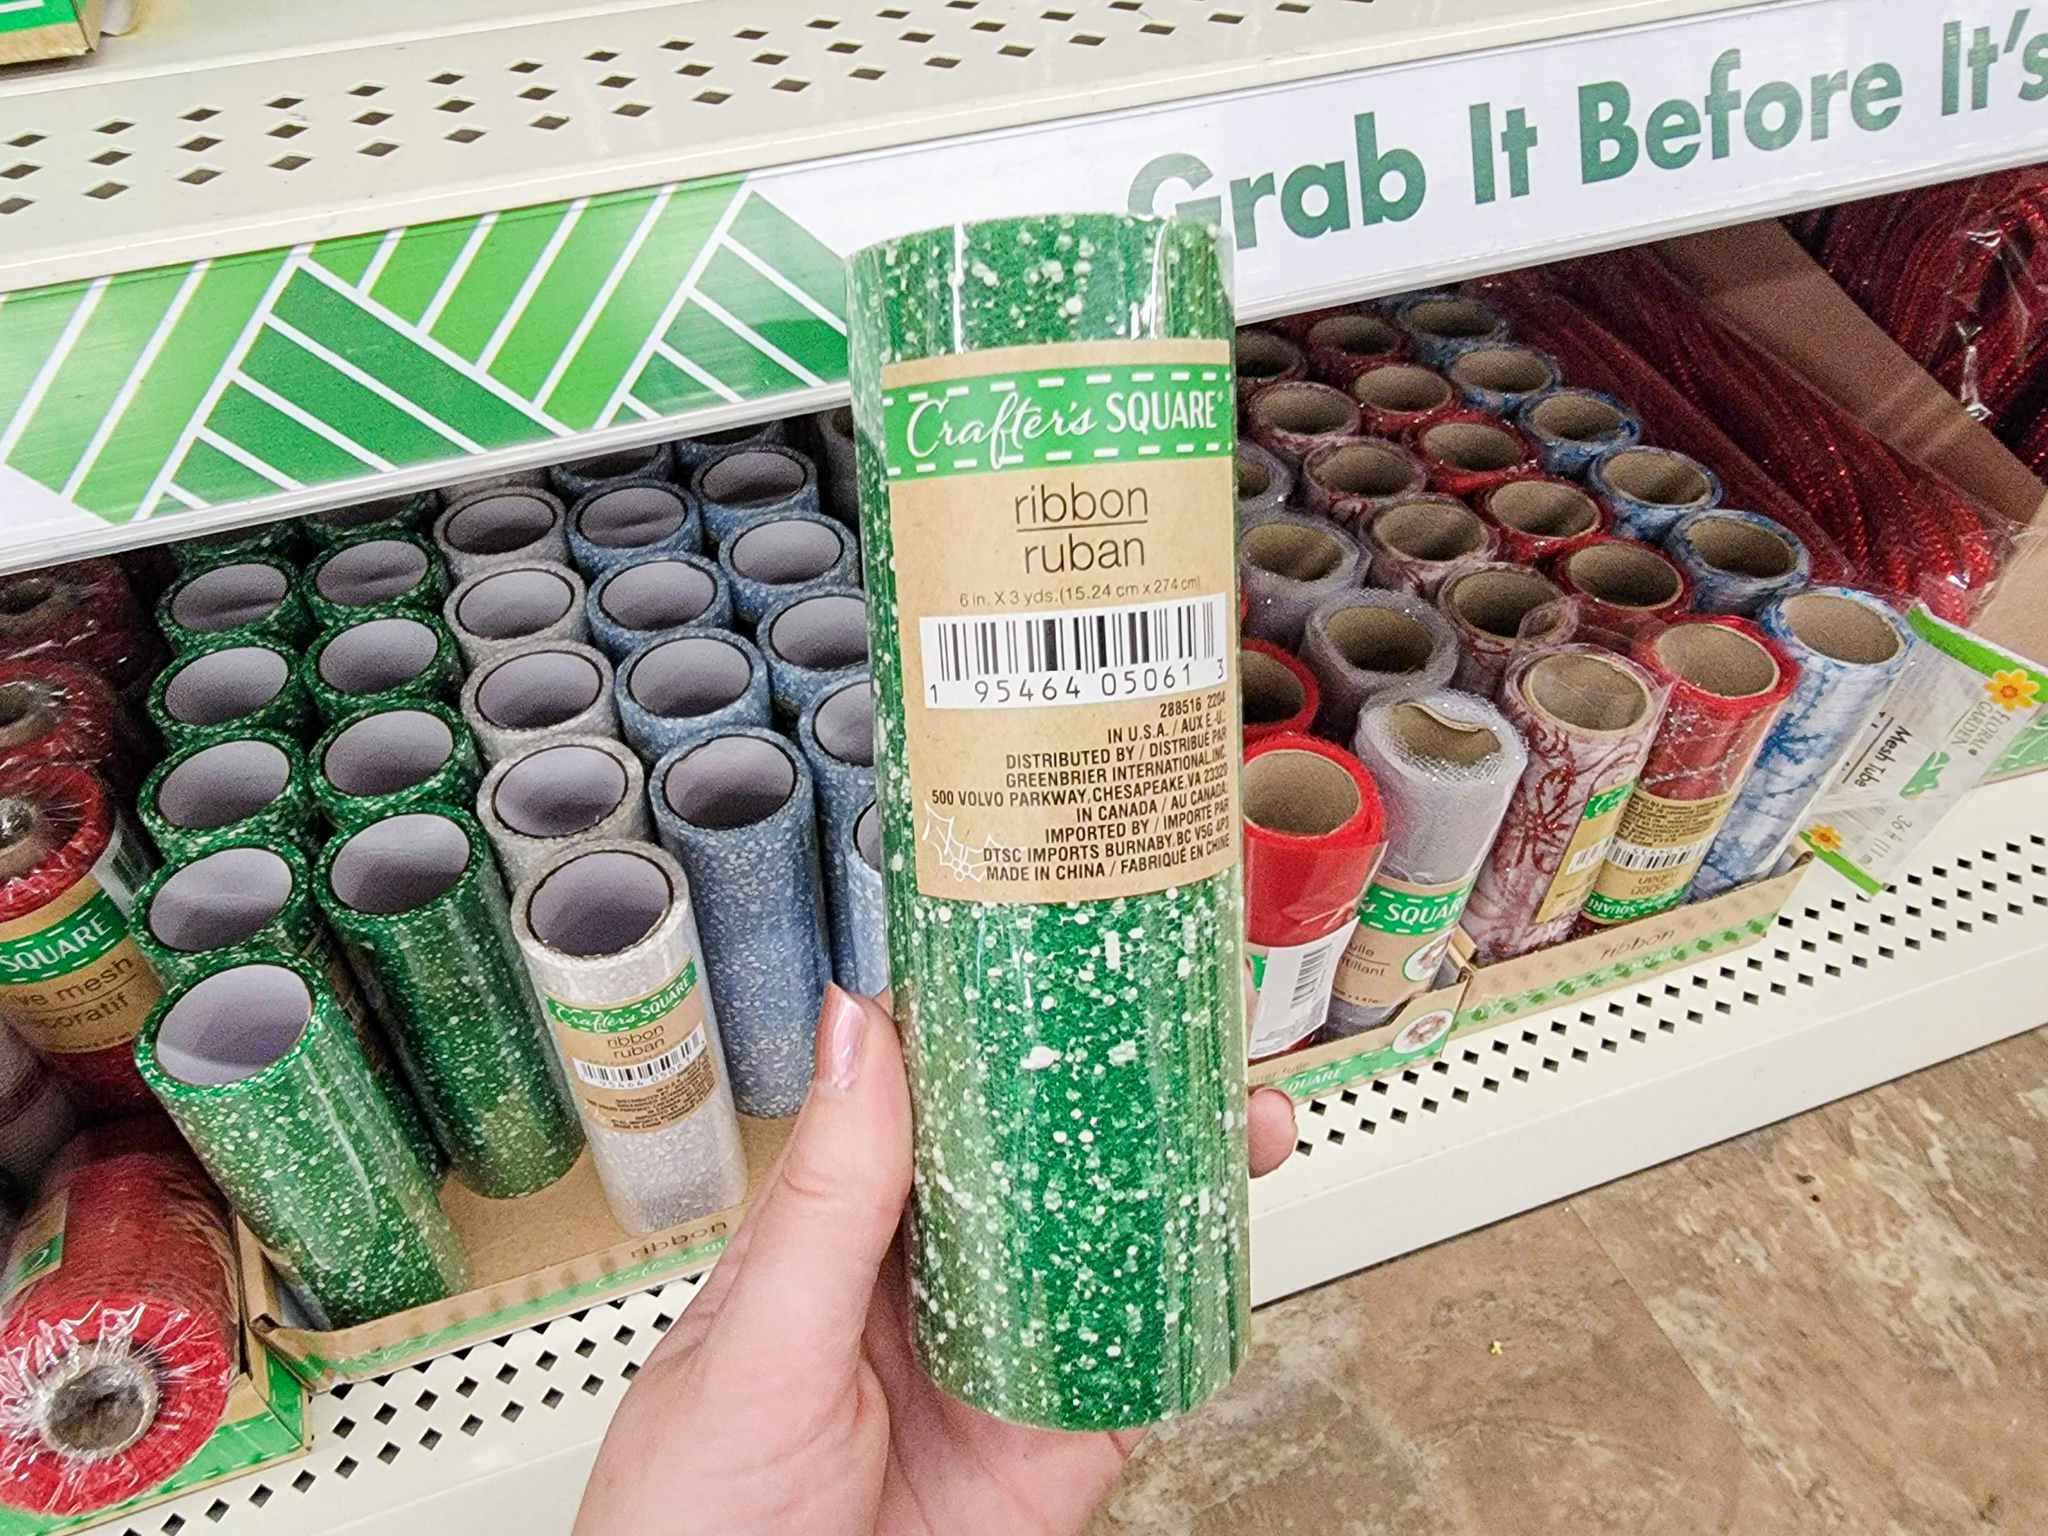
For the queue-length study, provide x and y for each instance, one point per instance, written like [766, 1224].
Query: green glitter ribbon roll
[392, 757]
[382, 659]
[1079, 1252]
[370, 520]
[238, 897]
[253, 596]
[250, 783]
[372, 577]
[228, 685]
[257, 1064]
[418, 904]
[280, 539]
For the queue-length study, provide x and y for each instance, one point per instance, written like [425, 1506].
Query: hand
[786, 1400]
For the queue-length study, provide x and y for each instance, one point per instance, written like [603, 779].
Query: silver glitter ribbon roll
[1498, 610]
[812, 642]
[1264, 480]
[1445, 765]
[737, 811]
[579, 477]
[837, 735]
[689, 686]
[560, 795]
[659, 595]
[511, 526]
[510, 605]
[1288, 564]
[1420, 542]
[744, 485]
[543, 690]
[1371, 646]
[784, 557]
[691, 451]
[625, 519]
[1738, 561]
[608, 936]
[866, 906]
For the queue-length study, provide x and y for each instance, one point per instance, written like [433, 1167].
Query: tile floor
[1838, 1324]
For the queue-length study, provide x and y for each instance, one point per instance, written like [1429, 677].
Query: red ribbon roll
[56, 823]
[1541, 517]
[1280, 694]
[54, 712]
[115, 1366]
[1621, 587]
[1342, 346]
[1470, 452]
[1397, 398]
[84, 612]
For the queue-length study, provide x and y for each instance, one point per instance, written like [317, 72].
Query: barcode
[644, 1074]
[1079, 656]
[1642, 860]
[1309, 981]
[1589, 857]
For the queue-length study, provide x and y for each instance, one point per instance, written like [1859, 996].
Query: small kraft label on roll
[1403, 933]
[1293, 982]
[71, 977]
[1654, 855]
[1062, 518]
[1585, 853]
[642, 1065]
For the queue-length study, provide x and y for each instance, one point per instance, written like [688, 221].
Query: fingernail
[842, 1026]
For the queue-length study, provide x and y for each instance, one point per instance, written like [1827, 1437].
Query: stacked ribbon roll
[1281, 696]
[56, 712]
[1367, 645]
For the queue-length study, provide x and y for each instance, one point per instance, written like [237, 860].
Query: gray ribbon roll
[736, 810]
[784, 557]
[1372, 646]
[541, 691]
[510, 605]
[837, 734]
[558, 795]
[1288, 564]
[579, 477]
[867, 906]
[608, 937]
[691, 451]
[501, 526]
[744, 485]
[687, 686]
[657, 595]
[842, 479]
[812, 641]
[1264, 480]
[622, 520]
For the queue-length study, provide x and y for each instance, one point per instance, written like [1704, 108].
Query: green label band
[1608, 909]
[1060, 418]
[613, 1021]
[70, 945]
[1607, 800]
[1404, 912]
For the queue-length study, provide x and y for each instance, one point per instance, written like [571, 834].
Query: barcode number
[1080, 656]
[1641, 860]
[643, 1074]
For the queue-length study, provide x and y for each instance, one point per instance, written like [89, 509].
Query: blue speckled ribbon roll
[656, 596]
[622, 520]
[691, 451]
[1738, 561]
[1573, 427]
[1646, 490]
[690, 685]
[737, 811]
[1850, 648]
[579, 477]
[837, 735]
[780, 558]
[867, 905]
[811, 642]
[744, 485]
[1501, 379]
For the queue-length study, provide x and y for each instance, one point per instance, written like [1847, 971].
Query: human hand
[786, 1400]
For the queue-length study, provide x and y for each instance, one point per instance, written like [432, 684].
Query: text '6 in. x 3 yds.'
[1052, 558]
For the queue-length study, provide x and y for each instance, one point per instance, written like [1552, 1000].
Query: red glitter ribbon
[1524, 547]
[1603, 619]
[1378, 389]
[1455, 473]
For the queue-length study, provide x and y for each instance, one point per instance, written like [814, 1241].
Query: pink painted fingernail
[842, 1026]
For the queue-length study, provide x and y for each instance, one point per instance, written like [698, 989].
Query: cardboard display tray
[1416, 1033]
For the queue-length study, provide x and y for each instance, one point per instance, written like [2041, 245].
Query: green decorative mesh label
[634, 1015]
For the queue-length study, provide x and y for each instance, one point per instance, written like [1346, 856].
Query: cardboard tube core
[661, 594]
[1304, 408]
[1402, 387]
[1367, 469]
[381, 654]
[1426, 735]
[752, 478]
[1472, 445]
[400, 863]
[1365, 334]
[103, 1400]
[1300, 794]
[537, 690]
[497, 525]
[1840, 628]
[730, 782]
[233, 1024]
[1262, 355]
[1380, 639]
[1430, 530]
[1544, 508]
[1624, 576]
[388, 752]
[1740, 548]
[1503, 370]
[508, 605]
[785, 551]
[229, 596]
[845, 723]
[690, 675]
[219, 900]
[632, 517]
[222, 784]
[1575, 418]
[1718, 660]
[1587, 692]
[599, 903]
[1271, 692]
[1293, 550]
[560, 791]
[1657, 478]
[823, 632]
[1499, 602]
[225, 685]
[1253, 478]
[373, 571]
[1453, 319]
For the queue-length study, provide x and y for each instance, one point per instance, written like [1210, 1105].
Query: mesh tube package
[118, 1351]
[1075, 1035]
[1420, 542]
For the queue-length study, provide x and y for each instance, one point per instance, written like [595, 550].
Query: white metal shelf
[1841, 995]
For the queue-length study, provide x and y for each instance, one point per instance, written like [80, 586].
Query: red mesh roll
[115, 1366]
[1468, 453]
[83, 612]
[76, 988]
[54, 712]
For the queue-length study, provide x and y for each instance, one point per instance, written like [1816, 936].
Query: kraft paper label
[1584, 854]
[1655, 853]
[1403, 933]
[1062, 520]
[643, 1065]
[38, 1245]
[71, 977]
[1293, 982]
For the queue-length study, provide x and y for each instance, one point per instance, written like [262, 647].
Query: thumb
[824, 1224]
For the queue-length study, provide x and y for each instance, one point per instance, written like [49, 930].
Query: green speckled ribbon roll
[372, 577]
[391, 757]
[237, 896]
[1079, 1235]
[258, 1065]
[417, 902]
[280, 539]
[386, 659]
[252, 783]
[253, 597]
[228, 685]
[370, 520]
